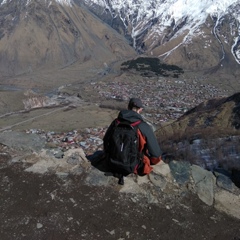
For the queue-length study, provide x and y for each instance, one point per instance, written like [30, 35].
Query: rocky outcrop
[174, 179]
[33, 100]
[168, 182]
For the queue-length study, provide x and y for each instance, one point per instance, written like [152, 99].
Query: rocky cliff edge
[168, 183]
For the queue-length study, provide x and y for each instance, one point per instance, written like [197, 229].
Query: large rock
[163, 169]
[96, 178]
[22, 141]
[158, 180]
[72, 160]
[131, 186]
[204, 183]
[180, 171]
[228, 203]
[224, 182]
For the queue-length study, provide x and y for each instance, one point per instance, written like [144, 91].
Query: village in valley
[166, 99]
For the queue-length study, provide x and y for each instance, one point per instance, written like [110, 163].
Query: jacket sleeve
[152, 145]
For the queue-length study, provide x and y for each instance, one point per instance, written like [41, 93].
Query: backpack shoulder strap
[136, 123]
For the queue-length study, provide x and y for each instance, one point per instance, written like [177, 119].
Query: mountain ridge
[36, 35]
[197, 36]
[202, 36]
[214, 117]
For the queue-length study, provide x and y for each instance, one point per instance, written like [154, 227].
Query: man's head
[135, 104]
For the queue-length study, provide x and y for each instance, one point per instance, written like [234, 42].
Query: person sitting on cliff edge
[148, 144]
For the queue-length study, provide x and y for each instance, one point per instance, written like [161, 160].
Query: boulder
[180, 171]
[224, 182]
[46, 162]
[204, 184]
[22, 141]
[158, 180]
[228, 202]
[163, 169]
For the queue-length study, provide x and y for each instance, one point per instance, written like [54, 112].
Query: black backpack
[123, 155]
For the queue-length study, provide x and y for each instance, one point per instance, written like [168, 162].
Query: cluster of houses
[165, 98]
[89, 139]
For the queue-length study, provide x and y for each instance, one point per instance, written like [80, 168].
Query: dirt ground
[42, 207]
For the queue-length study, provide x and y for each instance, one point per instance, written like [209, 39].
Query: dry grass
[220, 144]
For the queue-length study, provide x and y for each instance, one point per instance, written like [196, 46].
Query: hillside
[214, 117]
[207, 135]
[48, 35]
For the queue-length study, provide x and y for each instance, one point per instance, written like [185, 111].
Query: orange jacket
[147, 161]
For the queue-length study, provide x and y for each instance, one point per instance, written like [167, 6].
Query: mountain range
[195, 35]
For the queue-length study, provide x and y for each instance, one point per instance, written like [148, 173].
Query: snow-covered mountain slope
[198, 34]
[195, 35]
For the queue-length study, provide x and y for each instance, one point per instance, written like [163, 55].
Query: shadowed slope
[214, 117]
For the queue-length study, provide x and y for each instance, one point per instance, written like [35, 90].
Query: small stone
[62, 174]
[111, 232]
[39, 225]
[73, 160]
[134, 200]
[59, 154]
